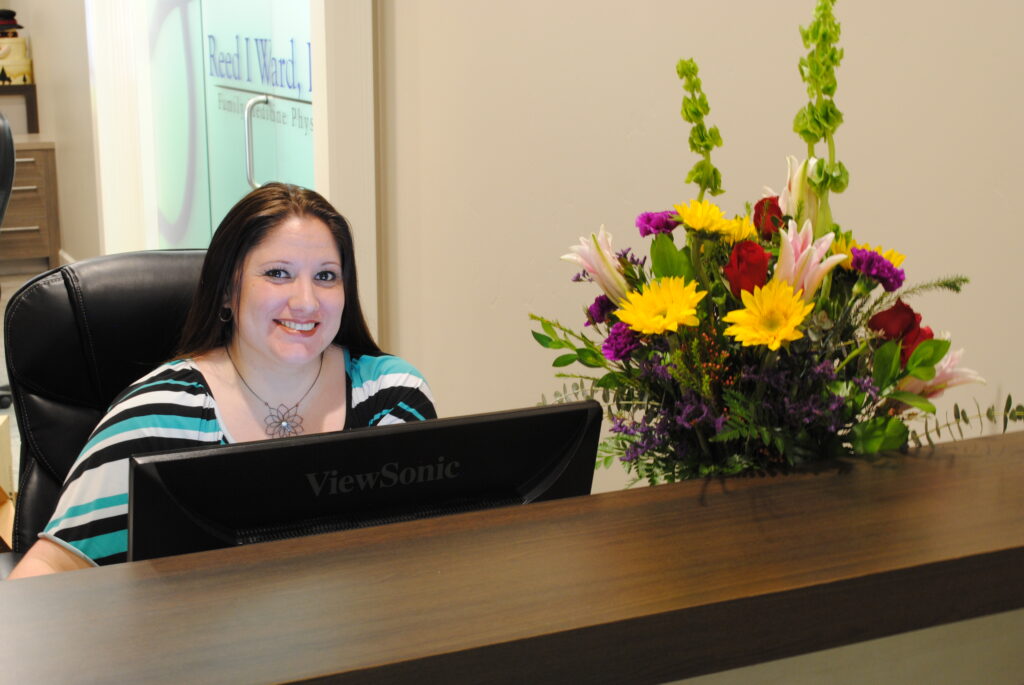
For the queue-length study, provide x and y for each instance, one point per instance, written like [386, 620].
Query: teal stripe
[412, 411]
[163, 382]
[100, 546]
[366, 368]
[381, 414]
[138, 423]
[80, 509]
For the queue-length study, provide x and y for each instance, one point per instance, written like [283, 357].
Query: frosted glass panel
[209, 58]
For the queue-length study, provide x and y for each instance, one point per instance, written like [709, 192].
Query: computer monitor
[211, 497]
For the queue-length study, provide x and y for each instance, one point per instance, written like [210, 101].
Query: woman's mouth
[298, 328]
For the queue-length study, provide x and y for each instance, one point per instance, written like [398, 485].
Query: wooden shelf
[27, 91]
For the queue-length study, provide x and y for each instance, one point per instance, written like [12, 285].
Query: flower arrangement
[761, 341]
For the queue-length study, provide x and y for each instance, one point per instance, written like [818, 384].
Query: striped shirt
[172, 408]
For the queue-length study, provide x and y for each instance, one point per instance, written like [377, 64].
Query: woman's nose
[303, 297]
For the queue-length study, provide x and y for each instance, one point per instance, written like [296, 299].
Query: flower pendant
[283, 421]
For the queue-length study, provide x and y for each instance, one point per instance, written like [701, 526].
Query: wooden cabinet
[31, 228]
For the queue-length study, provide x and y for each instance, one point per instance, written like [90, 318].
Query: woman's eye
[275, 273]
[328, 276]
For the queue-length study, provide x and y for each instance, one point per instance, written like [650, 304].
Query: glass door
[232, 107]
[259, 111]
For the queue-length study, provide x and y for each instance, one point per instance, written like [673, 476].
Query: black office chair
[76, 336]
[6, 185]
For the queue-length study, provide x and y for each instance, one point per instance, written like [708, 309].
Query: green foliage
[886, 364]
[818, 120]
[702, 139]
[962, 419]
[878, 434]
[667, 260]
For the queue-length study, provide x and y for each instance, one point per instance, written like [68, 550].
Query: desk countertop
[646, 585]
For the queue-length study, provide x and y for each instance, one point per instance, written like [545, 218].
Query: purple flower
[582, 277]
[599, 311]
[628, 255]
[651, 223]
[619, 343]
[877, 267]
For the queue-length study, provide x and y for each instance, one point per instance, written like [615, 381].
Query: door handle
[247, 118]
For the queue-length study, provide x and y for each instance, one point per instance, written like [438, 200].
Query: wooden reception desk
[645, 585]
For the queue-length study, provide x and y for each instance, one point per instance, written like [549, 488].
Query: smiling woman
[275, 333]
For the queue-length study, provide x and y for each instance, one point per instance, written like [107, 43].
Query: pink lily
[947, 375]
[597, 259]
[801, 259]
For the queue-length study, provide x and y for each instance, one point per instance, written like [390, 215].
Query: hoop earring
[225, 319]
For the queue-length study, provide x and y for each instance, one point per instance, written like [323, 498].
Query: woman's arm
[46, 557]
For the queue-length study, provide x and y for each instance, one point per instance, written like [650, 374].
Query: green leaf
[925, 373]
[912, 400]
[886, 364]
[608, 381]
[545, 341]
[565, 360]
[928, 353]
[548, 328]
[881, 433]
[667, 260]
[590, 358]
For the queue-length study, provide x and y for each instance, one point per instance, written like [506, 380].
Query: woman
[275, 333]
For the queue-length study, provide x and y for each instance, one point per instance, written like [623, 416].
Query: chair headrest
[81, 333]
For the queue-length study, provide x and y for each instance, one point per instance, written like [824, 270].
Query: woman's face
[291, 296]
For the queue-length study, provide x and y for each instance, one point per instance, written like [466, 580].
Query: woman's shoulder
[177, 375]
[364, 368]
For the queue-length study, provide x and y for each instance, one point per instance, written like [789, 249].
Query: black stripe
[180, 375]
[102, 526]
[388, 399]
[117, 415]
[119, 558]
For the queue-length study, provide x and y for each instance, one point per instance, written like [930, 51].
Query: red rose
[900, 322]
[895, 322]
[768, 215]
[747, 267]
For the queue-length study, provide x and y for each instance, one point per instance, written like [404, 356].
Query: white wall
[510, 128]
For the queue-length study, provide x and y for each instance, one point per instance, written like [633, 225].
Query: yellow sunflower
[740, 228]
[843, 246]
[702, 216]
[770, 316]
[661, 306]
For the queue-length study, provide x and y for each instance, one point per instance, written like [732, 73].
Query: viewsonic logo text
[388, 476]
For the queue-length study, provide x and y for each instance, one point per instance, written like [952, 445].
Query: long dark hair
[244, 227]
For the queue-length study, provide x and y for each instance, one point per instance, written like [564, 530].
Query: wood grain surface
[646, 585]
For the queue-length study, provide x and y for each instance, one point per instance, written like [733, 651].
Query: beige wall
[57, 30]
[510, 128]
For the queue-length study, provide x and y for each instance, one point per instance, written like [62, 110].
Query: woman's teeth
[298, 326]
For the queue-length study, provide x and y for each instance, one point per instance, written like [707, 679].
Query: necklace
[282, 421]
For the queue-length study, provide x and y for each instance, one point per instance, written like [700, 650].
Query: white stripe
[96, 515]
[389, 380]
[389, 419]
[176, 397]
[106, 480]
